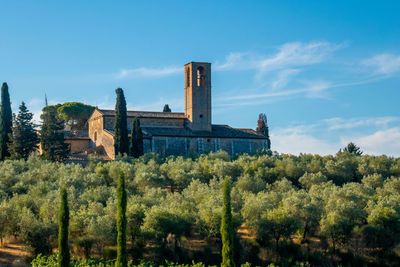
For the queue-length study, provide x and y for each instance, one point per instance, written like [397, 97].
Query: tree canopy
[74, 114]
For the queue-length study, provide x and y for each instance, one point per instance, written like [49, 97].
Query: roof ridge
[143, 111]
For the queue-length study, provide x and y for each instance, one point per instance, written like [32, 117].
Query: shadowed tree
[166, 108]
[52, 137]
[262, 128]
[121, 140]
[227, 233]
[121, 222]
[63, 224]
[24, 139]
[353, 148]
[136, 145]
[5, 122]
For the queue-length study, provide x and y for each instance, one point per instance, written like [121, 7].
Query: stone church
[179, 133]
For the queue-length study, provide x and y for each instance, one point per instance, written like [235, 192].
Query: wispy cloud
[384, 63]
[313, 90]
[340, 123]
[149, 72]
[288, 55]
[299, 54]
[284, 77]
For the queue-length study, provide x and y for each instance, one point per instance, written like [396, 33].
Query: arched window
[187, 77]
[200, 76]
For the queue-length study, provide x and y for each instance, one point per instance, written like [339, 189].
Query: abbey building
[179, 133]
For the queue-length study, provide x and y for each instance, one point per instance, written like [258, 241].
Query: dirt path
[13, 255]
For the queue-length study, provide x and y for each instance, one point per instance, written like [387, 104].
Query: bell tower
[198, 95]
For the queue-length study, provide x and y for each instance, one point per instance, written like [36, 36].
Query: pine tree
[121, 140]
[353, 149]
[227, 232]
[262, 128]
[166, 108]
[5, 122]
[24, 139]
[121, 223]
[63, 223]
[52, 137]
[136, 144]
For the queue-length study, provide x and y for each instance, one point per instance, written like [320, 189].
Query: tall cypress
[24, 139]
[63, 223]
[121, 223]
[227, 233]
[262, 128]
[5, 122]
[52, 137]
[121, 140]
[136, 145]
[166, 108]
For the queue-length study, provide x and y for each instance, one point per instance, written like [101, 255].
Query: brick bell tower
[198, 95]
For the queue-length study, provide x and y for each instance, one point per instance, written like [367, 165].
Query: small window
[200, 76]
[95, 136]
[187, 77]
[201, 115]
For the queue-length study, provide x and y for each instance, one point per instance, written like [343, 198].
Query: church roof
[145, 114]
[218, 131]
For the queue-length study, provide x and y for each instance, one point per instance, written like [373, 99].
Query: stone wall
[77, 145]
[106, 139]
[166, 146]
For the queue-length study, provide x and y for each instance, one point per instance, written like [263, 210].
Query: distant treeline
[310, 209]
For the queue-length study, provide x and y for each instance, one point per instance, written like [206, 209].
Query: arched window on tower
[187, 77]
[200, 76]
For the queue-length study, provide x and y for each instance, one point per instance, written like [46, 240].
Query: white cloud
[381, 142]
[384, 63]
[296, 143]
[303, 138]
[340, 123]
[149, 72]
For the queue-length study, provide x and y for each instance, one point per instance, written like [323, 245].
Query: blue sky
[324, 72]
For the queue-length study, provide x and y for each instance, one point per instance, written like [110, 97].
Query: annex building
[179, 133]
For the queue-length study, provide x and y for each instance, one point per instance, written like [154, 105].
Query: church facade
[175, 133]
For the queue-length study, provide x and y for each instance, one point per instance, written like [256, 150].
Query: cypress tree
[121, 223]
[52, 137]
[121, 140]
[24, 139]
[5, 122]
[262, 128]
[166, 108]
[63, 223]
[136, 144]
[227, 233]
